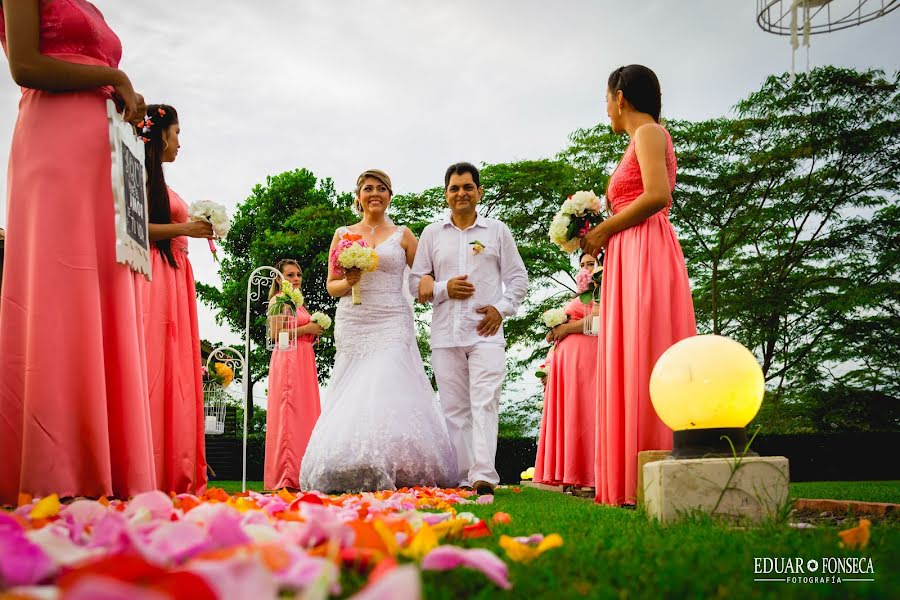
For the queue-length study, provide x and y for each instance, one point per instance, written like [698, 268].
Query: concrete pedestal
[757, 490]
[644, 457]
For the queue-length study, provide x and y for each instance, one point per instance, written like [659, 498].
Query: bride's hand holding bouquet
[350, 259]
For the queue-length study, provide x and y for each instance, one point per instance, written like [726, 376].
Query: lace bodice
[626, 184]
[74, 27]
[385, 316]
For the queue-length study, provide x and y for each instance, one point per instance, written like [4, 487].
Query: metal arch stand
[221, 354]
[254, 281]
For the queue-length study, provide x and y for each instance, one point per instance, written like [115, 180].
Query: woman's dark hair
[459, 169]
[159, 118]
[640, 87]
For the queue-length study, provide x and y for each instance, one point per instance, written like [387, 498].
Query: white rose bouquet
[321, 319]
[554, 317]
[214, 214]
[576, 217]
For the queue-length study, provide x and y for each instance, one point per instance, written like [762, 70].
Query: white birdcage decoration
[281, 330]
[216, 396]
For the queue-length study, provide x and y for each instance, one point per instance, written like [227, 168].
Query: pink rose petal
[488, 499]
[237, 578]
[435, 518]
[174, 542]
[444, 558]
[21, 562]
[158, 504]
[402, 583]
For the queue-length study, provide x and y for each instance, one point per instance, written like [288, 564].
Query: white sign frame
[130, 250]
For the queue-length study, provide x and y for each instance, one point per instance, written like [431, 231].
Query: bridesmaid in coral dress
[170, 319]
[293, 405]
[565, 454]
[645, 296]
[74, 415]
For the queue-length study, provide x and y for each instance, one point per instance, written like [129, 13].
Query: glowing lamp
[707, 388]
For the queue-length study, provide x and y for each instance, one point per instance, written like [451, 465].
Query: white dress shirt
[497, 272]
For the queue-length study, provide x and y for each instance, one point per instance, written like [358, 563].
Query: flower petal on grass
[527, 552]
[445, 558]
[857, 537]
[402, 583]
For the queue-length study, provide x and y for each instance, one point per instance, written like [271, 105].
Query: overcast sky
[410, 86]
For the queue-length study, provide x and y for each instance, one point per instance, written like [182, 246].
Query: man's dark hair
[459, 169]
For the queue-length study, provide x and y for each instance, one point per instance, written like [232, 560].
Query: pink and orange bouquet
[352, 252]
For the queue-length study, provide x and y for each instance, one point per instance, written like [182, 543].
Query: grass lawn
[618, 553]
[869, 491]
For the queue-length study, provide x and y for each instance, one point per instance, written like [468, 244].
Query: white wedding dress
[381, 426]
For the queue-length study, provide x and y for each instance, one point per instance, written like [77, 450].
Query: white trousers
[469, 380]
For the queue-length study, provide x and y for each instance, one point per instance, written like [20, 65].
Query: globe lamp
[707, 389]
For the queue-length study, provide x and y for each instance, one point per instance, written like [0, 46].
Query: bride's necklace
[372, 228]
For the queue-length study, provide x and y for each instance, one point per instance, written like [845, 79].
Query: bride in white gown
[381, 426]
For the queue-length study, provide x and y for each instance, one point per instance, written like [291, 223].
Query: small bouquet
[554, 317]
[588, 282]
[214, 214]
[320, 319]
[352, 252]
[288, 296]
[221, 374]
[578, 215]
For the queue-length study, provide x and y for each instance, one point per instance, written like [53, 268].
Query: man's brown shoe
[483, 488]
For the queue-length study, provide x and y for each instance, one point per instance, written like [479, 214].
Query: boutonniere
[477, 247]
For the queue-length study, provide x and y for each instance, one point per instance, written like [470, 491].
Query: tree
[294, 215]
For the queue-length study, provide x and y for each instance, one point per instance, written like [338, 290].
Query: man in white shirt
[469, 267]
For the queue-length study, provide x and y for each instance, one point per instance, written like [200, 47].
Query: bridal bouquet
[554, 317]
[352, 252]
[288, 296]
[214, 214]
[320, 319]
[578, 215]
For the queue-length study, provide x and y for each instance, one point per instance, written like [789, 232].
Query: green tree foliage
[294, 215]
[788, 217]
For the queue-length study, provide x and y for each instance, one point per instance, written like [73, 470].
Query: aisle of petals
[252, 545]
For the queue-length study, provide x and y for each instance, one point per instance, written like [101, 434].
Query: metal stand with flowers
[281, 328]
[218, 376]
[259, 283]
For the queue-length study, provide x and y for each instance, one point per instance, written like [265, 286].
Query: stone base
[542, 486]
[676, 488]
[647, 456]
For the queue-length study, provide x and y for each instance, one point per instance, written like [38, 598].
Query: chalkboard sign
[129, 186]
[136, 204]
